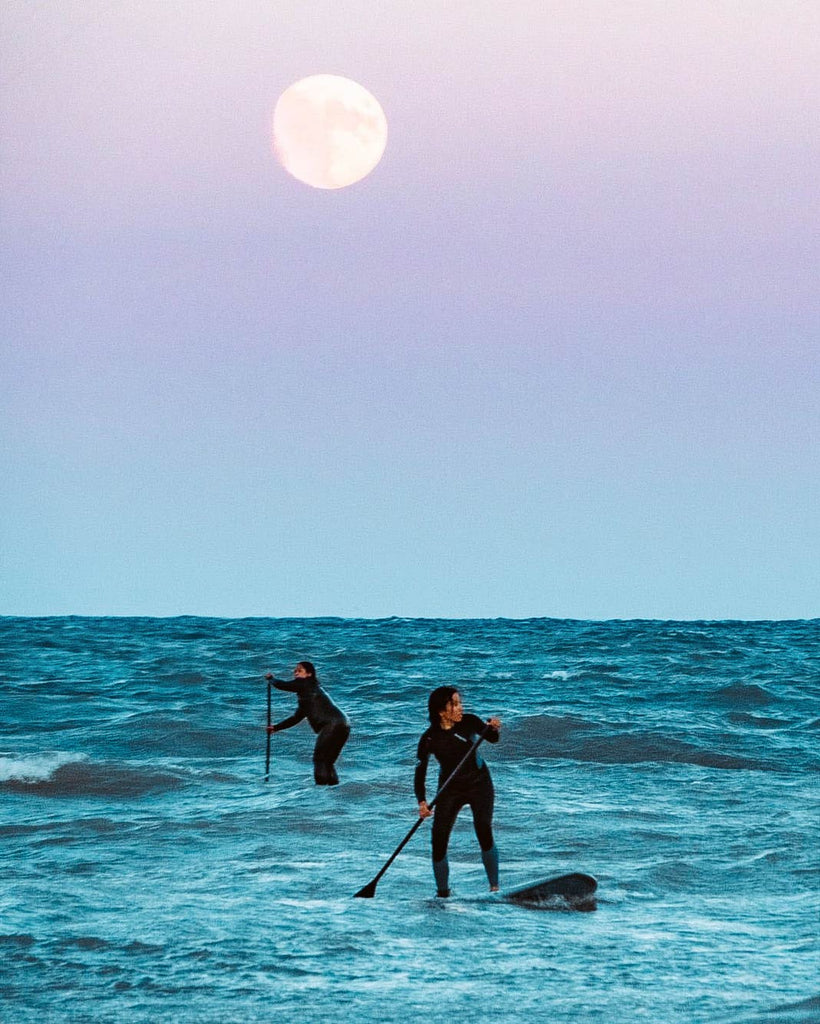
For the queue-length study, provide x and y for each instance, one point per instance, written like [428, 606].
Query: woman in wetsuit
[448, 739]
[325, 718]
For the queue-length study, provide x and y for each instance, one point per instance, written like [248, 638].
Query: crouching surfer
[327, 720]
[448, 739]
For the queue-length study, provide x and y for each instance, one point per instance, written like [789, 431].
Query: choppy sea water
[150, 874]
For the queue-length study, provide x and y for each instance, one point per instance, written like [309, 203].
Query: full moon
[328, 131]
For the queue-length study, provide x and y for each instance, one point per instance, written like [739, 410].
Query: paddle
[267, 752]
[369, 890]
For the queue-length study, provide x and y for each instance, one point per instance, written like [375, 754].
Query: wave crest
[62, 776]
[32, 768]
[577, 739]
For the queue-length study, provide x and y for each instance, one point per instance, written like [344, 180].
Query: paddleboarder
[448, 739]
[327, 720]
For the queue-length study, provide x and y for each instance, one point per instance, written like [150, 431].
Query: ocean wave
[535, 729]
[237, 884]
[62, 776]
[32, 768]
[578, 739]
[743, 694]
[18, 941]
[807, 1011]
[84, 942]
[640, 748]
[183, 733]
[756, 722]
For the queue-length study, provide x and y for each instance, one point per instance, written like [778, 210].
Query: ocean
[150, 874]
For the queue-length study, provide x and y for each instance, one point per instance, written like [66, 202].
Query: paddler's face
[300, 672]
[453, 712]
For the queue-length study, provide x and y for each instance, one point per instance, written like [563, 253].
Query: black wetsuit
[472, 785]
[325, 718]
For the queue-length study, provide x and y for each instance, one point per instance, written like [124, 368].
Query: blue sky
[557, 355]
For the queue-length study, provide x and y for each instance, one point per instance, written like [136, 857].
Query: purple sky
[557, 355]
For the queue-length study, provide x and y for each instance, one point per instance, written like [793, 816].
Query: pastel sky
[557, 355]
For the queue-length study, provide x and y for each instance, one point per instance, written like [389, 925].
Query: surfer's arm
[420, 775]
[490, 728]
[286, 723]
[289, 685]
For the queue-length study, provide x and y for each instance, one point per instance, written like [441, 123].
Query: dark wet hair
[308, 667]
[438, 701]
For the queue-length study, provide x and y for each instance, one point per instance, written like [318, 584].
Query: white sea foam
[34, 767]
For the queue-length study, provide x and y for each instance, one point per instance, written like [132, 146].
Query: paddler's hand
[269, 676]
[271, 728]
[494, 722]
[424, 810]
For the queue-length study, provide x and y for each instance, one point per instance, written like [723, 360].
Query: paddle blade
[367, 891]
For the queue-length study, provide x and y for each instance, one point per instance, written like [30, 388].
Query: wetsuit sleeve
[290, 685]
[477, 726]
[420, 776]
[293, 719]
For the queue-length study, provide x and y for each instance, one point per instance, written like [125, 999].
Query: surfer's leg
[447, 807]
[329, 743]
[490, 860]
[441, 873]
[322, 767]
[482, 800]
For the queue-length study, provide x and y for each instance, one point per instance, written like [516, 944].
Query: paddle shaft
[267, 751]
[369, 890]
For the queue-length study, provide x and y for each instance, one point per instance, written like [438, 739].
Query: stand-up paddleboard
[567, 892]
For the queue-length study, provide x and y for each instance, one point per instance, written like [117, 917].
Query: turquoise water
[149, 873]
